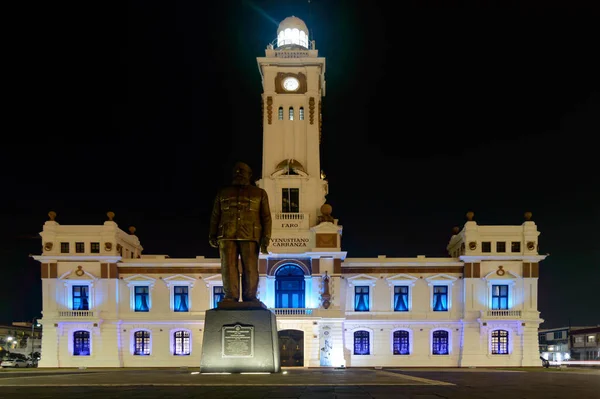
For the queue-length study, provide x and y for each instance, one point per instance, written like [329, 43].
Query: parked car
[14, 363]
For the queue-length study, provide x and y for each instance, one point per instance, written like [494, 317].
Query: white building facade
[105, 304]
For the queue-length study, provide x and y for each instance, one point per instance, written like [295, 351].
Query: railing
[292, 311]
[289, 216]
[75, 313]
[504, 313]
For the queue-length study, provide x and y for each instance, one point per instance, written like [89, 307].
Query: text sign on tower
[238, 341]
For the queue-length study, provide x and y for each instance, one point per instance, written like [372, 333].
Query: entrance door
[291, 348]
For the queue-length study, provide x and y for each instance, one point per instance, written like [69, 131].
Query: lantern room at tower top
[292, 31]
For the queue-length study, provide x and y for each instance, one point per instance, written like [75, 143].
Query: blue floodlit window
[361, 299]
[500, 342]
[81, 343]
[440, 342]
[401, 346]
[81, 297]
[180, 298]
[440, 298]
[181, 341]
[499, 297]
[141, 343]
[401, 298]
[142, 294]
[218, 295]
[361, 342]
[290, 287]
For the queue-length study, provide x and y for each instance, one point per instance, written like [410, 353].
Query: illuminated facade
[106, 304]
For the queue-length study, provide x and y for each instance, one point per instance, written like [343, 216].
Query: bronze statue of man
[240, 226]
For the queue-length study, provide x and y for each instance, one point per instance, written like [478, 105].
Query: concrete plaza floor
[302, 383]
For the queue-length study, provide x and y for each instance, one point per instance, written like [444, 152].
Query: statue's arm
[265, 218]
[215, 218]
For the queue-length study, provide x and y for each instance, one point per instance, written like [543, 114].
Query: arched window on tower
[301, 112]
[291, 113]
[280, 114]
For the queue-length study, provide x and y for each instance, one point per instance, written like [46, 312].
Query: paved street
[302, 383]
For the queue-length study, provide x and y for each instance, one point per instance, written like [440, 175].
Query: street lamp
[34, 323]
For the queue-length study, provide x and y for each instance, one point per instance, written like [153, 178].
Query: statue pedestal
[240, 337]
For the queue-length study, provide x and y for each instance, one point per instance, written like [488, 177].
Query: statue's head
[241, 173]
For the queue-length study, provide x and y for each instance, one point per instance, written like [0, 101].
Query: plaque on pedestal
[239, 340]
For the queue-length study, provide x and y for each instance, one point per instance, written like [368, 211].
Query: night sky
[431, 111]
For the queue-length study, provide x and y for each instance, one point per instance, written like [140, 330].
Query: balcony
[293, 312]
[76, 314]
[290, 221]
[501, 314]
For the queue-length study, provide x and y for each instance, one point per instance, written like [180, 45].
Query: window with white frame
[362, 342]
[140, 288]
[181, 343]
[81, 343]
[81, 297]
[440, 340]
[180, 291]
[218, 294]
[362, 287]
[499, 342]
[440, 290]
[401, 342]
[141, 343]
[401, 291]
[211, 283]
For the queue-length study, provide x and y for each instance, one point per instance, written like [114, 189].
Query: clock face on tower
[290, 84]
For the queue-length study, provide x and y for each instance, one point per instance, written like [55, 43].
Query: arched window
[181, 343]
[289, 287]
[500, 342]
[361, 343]
[401, 343]
[81, 343]
[141, 343]
[280, 113]
[291, 113]
[301, 113]
[439, 344]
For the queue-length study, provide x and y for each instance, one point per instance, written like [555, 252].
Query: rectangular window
[486, 246]
[500, 342]
[591, 338]
[301, 113]
[95, 247]
[401, 298]
[81, 297]
[180, 299]
[500, 246]
[290, 200]
[440, 298]
[280, 113]
[141, 343]
[64, 247]
[499, 297]
[79, 247]
[579, 339]
[361, 343]
[361, 299]
[142, 296]
[181, 341]
[515, 246]
[401, 346]
[81, 343]
[291, 113]
[218, 295]
[440, 343]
